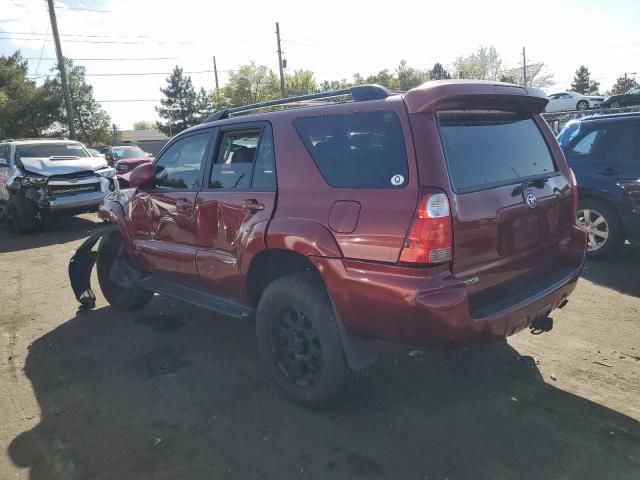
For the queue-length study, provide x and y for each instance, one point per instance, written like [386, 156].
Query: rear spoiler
[474, 94]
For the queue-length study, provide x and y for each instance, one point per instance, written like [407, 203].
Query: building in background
[150, 140]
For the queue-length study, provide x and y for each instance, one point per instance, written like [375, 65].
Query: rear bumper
[380, 303]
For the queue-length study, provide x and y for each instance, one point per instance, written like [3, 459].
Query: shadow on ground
[54, 230]
[621, 273]
[173, 393]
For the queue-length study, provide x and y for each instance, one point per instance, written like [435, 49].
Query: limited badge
[397, 180]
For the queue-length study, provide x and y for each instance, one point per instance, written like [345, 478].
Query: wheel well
[270, 265]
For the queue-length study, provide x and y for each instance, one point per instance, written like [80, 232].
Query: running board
[195, 296]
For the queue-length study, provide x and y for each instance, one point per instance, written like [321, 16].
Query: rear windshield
[357, 150]
[120, 153]
[491, 148]
[46, 150]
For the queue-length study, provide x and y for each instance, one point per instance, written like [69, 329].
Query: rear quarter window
[492, 148]
[357, 150]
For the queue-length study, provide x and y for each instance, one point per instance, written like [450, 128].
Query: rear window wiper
[538, 183]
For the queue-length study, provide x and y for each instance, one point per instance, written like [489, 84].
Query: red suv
[440, 217]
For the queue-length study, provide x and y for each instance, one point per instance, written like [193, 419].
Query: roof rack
[359, 93]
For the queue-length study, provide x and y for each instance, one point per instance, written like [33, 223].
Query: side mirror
[143, 176]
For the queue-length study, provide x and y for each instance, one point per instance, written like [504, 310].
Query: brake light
[430, 237]
[574, 192]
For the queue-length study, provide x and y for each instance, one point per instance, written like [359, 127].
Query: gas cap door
[343, 217]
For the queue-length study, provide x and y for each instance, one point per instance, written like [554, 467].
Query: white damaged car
[40, 177]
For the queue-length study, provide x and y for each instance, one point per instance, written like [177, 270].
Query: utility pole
[63, 72]
[524, 66]
[215, 72]
[115, 134]
[280, 60]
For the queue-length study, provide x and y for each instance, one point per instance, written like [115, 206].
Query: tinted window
[591, 142]
[264, 175]
[236, 158]
[357, 150]
[179, 166]
[120, 153]
[622, 148]
[46, 150]
[485, 149]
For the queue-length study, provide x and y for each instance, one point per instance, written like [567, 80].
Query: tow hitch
[541, 324]
[80, 267]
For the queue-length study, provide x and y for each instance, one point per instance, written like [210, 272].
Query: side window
[622, 150]
[179, 166]
[245, 160]
[590, 143]
[357, 150]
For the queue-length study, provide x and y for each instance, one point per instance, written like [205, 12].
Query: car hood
[596, 97]
[62, 166]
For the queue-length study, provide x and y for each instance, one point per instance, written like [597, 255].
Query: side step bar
[196, 296]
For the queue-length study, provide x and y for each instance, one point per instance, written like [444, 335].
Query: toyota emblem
[532, 200]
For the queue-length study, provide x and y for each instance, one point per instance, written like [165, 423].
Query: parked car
[41, 177]
[125, 158]
[441, 217]
[604, 153]
[570, 101]
[629, 99]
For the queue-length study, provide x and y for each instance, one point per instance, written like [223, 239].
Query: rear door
[235, 204]
[512, 200]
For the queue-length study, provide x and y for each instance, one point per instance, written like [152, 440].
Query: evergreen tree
[438, 72]
[623, 85]
[582, 82]
[179, 106]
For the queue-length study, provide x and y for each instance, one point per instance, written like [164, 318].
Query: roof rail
[35, 138]
[358, 93]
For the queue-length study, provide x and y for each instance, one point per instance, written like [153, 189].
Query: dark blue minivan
[604, 153]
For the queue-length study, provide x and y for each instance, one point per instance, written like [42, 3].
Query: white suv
[43, 176]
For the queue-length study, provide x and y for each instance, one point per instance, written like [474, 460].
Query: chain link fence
[558, 120]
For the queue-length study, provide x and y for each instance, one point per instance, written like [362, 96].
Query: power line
[113, 42]
[107, 59]
[147, 73]
[129, 100]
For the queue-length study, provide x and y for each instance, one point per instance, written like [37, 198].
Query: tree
[508, 79]
[438, 72]
[205, 106]
[178, 108]
[537, 75]
[484, 64]
[143, 125]
[623, 85]
[91, 121]
[329, 85]
[25, 109]
[582, 82]
[301, 82]
[409, 77]
[251, 84]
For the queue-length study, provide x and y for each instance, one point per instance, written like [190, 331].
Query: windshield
[567, 134]
[46, 150]
[120, 153]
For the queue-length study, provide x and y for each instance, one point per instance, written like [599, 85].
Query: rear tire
[615, 105]
[23, 214]
[605, 235]
[582, 105]
[299, 339]
[122, 293]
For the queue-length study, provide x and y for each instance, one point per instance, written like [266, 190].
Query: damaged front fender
[80, 267]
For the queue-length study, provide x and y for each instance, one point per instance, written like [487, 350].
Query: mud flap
[80, 267]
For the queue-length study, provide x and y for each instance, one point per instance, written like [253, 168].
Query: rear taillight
[574, 192]
[430, 238]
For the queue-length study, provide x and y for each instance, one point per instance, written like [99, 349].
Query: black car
[631, 98]
[604, 153]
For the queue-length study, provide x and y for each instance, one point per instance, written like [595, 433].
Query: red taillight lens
[574, 187]
[430, 238]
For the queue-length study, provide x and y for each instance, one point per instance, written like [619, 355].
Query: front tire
[23, 214]
[299, 339]
[600, 221]
[616, 105]
[117, 276]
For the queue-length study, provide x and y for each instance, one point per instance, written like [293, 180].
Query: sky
[335, 39]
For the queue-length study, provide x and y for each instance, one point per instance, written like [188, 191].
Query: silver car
[40, 177]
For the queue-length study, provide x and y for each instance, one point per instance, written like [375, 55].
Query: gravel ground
[172, 392]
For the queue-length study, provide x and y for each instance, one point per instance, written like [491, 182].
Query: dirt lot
[172, 392]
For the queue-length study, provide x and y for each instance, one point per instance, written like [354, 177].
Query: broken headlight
[107, 172]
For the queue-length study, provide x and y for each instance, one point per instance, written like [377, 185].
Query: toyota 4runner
[40, 177]
[440, 217]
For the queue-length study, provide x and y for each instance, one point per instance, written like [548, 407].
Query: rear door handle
[608, 172]
[252, 206]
